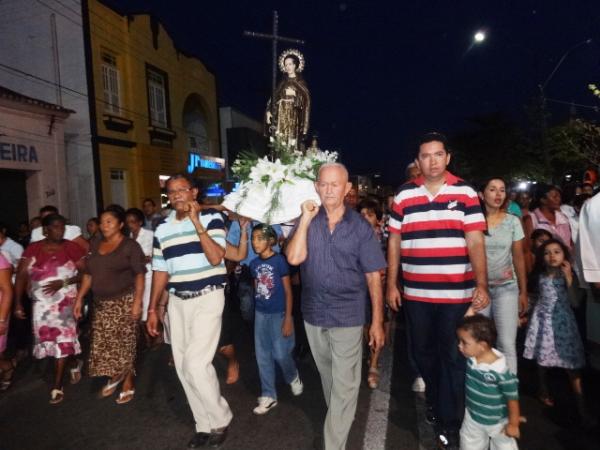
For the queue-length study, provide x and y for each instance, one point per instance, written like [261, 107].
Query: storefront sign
[18, 153]
[196, 161]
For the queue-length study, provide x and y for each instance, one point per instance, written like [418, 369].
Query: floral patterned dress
[4, 264]
[552, 337]
[54, 327]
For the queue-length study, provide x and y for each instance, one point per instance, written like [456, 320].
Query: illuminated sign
[196, 161]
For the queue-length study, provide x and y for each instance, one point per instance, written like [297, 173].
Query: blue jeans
[245, 293]
[272, 347]
[442, 366]
[504, 309]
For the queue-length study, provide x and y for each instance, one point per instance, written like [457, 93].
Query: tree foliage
[494, 145]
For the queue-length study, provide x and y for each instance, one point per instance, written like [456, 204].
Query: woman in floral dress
[7, 367]
[50, 268]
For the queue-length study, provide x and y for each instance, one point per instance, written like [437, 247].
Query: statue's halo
[297, 54]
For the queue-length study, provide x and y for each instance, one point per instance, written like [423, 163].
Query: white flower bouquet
[272, 190]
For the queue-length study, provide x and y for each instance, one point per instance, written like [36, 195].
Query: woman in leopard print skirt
[114, 270]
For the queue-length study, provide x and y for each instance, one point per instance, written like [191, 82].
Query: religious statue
[288, 113]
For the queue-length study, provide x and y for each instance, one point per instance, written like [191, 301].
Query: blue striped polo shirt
[178, 251]
[334, 287]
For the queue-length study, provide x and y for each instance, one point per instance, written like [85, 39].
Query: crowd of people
[467, 267]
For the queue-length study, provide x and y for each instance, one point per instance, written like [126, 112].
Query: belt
[186, 295]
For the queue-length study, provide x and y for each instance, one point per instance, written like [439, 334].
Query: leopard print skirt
[114, 337]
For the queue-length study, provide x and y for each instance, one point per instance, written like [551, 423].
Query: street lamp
[479, 37]
[542, 88]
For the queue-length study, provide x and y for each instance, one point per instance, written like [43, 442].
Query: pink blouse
[560, 229]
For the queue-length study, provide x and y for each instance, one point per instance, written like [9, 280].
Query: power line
[579, 105]
[74, 141]
[142, 44]
[69, 90]
[59, 13]
[132, 54]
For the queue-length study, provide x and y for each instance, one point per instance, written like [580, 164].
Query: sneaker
[297, 386]
[448, 440]
[418, 385]
[265, 404]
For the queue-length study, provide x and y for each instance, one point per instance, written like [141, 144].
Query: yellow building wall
[131, 41]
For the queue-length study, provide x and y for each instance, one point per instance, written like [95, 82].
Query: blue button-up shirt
[334, 287]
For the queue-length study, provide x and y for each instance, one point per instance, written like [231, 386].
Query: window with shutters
[110, 83]
[157, 98]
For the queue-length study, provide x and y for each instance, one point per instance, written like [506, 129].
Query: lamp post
[479, 37]
[542, 88]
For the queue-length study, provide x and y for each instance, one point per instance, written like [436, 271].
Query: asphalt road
[159, 418]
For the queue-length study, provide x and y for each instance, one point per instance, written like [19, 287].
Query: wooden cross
[274, 38]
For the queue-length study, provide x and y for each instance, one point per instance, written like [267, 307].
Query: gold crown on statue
[290, 52]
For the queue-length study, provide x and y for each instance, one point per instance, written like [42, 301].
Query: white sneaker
[297, 386]
[418, 385]
[265, 404]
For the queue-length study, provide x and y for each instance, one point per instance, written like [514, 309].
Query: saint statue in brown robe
[287, 116]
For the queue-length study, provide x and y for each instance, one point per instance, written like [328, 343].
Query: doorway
[13, 199]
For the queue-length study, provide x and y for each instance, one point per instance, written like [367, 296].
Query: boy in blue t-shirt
[273, 323]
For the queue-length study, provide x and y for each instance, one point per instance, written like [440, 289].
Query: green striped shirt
[488, 389]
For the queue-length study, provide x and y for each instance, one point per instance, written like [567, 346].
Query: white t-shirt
[12, 251]
[589, 239]
[71, 232]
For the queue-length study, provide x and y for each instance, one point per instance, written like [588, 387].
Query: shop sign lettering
[18, 153]
[196, 161]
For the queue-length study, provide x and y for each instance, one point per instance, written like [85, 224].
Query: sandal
[546, 400]
[7, 375]
[56, 396]
[110, 388]
[76, 372]
[373, 377]
[125, 396]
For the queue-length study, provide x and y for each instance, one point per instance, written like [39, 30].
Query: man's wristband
[151, 311]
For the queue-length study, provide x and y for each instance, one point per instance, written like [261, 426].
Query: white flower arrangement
[272, 191]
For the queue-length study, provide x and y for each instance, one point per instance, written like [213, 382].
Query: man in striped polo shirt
[189, 246]
[436, 232]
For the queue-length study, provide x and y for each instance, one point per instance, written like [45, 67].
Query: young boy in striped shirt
[492, 391]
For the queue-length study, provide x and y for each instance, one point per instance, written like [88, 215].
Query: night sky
[383, 72]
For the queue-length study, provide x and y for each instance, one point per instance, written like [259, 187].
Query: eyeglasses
[178, 191]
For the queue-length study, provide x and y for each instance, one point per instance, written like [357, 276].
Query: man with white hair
[333, 245]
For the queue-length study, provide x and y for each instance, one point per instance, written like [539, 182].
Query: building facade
[143, 109]
[32, 157]
[43, 57]
[155, 107]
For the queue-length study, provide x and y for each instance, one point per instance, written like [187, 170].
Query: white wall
[46, 183]
[26, 45]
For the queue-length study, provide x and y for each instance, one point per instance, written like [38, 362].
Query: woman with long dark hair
[507, 277]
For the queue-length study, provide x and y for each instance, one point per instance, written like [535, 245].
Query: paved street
[159, 418]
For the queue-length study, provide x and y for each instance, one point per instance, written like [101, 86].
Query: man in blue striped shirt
[340, 261]
[189, 246]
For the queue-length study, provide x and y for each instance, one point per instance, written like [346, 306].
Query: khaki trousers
[338, 355]
[195, 326]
